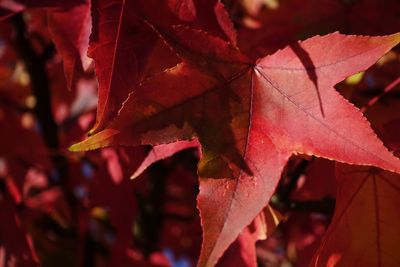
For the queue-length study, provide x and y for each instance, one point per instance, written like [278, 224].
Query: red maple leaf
[366, 200]
[249, 118]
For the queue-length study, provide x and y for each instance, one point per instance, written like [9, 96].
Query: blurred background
[59, 208]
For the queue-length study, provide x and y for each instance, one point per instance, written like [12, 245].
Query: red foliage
[228, 139]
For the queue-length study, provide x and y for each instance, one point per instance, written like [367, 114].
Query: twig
[378, 97]
[35, 66]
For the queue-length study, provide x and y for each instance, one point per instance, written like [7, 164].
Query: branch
[35, 66]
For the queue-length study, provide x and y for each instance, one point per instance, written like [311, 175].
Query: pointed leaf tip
[76, 147]
[396, 38]
[99, 140]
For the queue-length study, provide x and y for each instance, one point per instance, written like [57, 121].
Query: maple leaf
[242, 252]
[365, 220]
[14, 240]
[319, 174]
[249, 118]
[245, 244]
[121, 42]
[10, 7]
[118, 55]
[69, 29]
[273, 28]
[161, 152]
[185, 9]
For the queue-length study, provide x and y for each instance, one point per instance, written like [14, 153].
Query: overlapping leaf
[250, 118]
[14, 242]
[364, 229]
[118, 55]
[121, 42]
[162, 152]
[10, 7]
[70, 30]
[272, 27]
